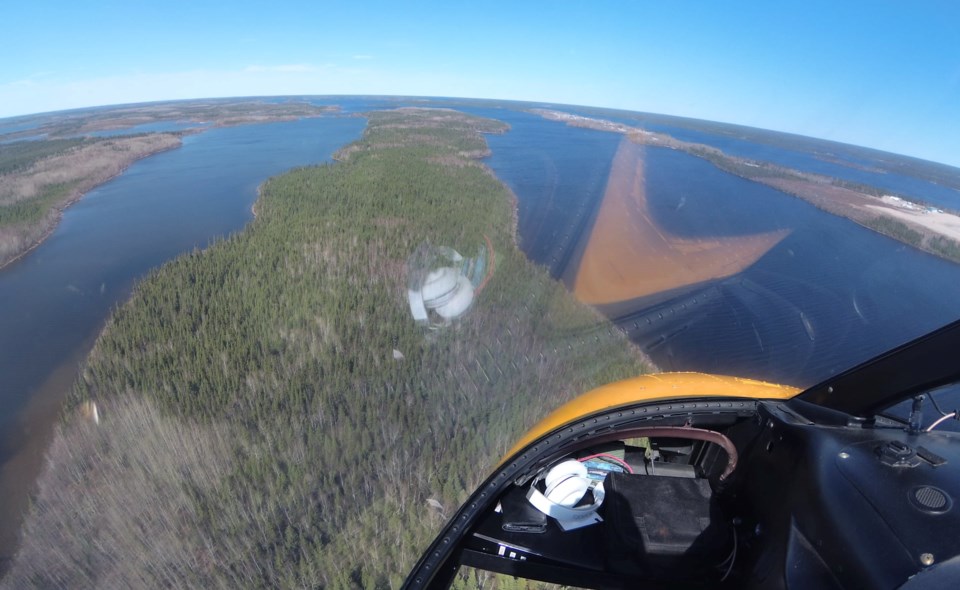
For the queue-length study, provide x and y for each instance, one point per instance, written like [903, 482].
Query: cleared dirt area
[625, 233]
[944, 224]
[936, 232]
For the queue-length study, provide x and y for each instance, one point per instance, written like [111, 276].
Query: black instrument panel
[862, 506]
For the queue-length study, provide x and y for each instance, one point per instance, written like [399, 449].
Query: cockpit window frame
[922, 365]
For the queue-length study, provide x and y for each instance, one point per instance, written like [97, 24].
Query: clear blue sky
[884, 74]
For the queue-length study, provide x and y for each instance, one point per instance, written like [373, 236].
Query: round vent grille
[931, 499]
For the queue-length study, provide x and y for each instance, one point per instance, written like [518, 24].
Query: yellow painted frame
[650, 388]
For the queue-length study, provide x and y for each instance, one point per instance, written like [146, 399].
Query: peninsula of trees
[270, 415]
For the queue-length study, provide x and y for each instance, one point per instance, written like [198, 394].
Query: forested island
[268, 414]
[905, 218]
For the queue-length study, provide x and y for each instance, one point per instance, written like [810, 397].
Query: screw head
[844, 455]
[927, 559]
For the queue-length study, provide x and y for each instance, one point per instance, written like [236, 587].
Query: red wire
[613, 458]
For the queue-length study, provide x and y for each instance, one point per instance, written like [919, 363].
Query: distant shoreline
[18, 239]
[82, 186]
[829, 194]
[61, 207]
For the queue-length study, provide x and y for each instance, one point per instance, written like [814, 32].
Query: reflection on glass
[442, 284]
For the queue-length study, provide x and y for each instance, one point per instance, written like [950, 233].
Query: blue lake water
[24, 138]
[929, 192]
[18, 125]
[830, 295]
[558, 188]
[56, 298]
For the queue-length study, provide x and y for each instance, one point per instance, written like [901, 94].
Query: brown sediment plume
[628, 256]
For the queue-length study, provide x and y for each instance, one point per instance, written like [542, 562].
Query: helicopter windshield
[277, 340]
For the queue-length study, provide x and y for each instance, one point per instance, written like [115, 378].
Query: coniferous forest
[270, 415]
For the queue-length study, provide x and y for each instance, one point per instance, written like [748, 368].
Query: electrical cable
[608, 457]
[733, 556]
[940, 420]
[933, 400]
[727, 559]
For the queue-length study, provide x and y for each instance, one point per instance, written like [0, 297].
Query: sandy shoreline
[24, 448]
[626, 232]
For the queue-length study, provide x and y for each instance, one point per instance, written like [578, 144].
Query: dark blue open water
[17, 125]
[26, 138]
[830, 295]
[558, 188]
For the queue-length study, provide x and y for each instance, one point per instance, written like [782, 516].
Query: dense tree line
[895, 229]
[257, 429]
[20, 155]
[35, 209]
[946, 248]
